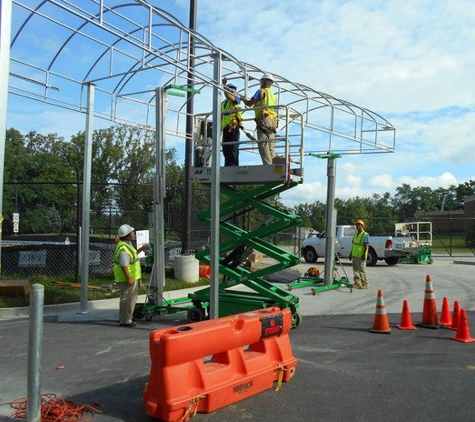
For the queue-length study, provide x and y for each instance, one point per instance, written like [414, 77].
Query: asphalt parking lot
[344, 372]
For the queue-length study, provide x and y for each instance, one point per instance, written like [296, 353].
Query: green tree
[411, 200]
[462, 191]
[34, 178]
[313, 215]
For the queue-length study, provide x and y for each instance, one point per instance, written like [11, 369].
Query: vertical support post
[86, 198]
[187, 194]
[35, 342]
[159, 192]
[215, 191]
[330, 225]
[5, 39]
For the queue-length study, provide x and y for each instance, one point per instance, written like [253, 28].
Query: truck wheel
[392, 261]
[310, 255]
[372, 258]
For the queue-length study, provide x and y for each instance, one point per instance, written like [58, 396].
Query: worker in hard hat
[127, 273]
[359, 253]
[266, 118]
[230, 124]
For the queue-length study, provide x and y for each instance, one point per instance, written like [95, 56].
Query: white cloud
[382, 181]
[444, 181]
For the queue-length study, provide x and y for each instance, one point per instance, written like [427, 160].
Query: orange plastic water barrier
[205, 270]
[207, 365]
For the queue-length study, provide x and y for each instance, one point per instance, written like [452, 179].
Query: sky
[411, 61]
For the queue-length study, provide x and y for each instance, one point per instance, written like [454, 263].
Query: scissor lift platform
[250, 174]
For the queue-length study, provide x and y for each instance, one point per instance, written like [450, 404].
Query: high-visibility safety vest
[231, 119]
[358, 249]
[267, 99]
[134, 266]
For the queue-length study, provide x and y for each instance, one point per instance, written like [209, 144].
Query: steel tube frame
[86, 199]
[5, 36]
[159, 192]
[215, 189]
[330, 226]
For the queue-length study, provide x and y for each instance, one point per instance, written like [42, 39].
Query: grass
[58, 290]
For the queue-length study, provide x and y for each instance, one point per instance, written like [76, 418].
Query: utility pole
[186, 242]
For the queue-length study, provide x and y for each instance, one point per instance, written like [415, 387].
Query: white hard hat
[125, 229]
[268, 76]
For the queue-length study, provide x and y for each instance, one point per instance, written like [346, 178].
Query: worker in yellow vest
[127, 273]
[266, 118]
[230, 124]
[359, 253]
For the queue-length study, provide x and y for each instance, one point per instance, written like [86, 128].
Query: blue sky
[412, 62]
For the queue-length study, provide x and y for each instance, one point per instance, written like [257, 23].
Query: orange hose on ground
[55, 409]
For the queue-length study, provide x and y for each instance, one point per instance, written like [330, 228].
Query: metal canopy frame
[128, 49]
[61, 48]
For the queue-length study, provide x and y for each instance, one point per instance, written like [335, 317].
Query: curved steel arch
[163, 52]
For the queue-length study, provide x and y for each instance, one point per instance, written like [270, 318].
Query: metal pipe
[86, 199]
[215, 190]
[157, 278]
[5, 37]
[35, 342]
[331, 221]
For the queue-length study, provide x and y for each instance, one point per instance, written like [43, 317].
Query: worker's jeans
[231, 146]
[359, 271]
[128, 299]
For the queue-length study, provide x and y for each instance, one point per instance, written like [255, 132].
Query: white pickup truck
[387, 248]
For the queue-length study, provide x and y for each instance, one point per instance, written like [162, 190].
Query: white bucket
[187, 268]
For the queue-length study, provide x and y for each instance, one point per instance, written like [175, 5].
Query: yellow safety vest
[267, 99]
[358, 249]
[134, 266]
[231, 119]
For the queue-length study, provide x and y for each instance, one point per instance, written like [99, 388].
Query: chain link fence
[57, 254]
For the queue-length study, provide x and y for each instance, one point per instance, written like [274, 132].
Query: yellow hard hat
[360, 222]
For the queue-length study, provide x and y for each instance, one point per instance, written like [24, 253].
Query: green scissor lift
[258, 292]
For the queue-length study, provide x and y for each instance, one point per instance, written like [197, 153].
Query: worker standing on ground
[266, 118]
[359, 253]
[127, 273]
[230, 124]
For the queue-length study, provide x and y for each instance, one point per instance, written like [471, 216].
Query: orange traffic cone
[445, 317]
[463, 332]
[430, 318]
[455, 316]
[381, 323]
[406, 320]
